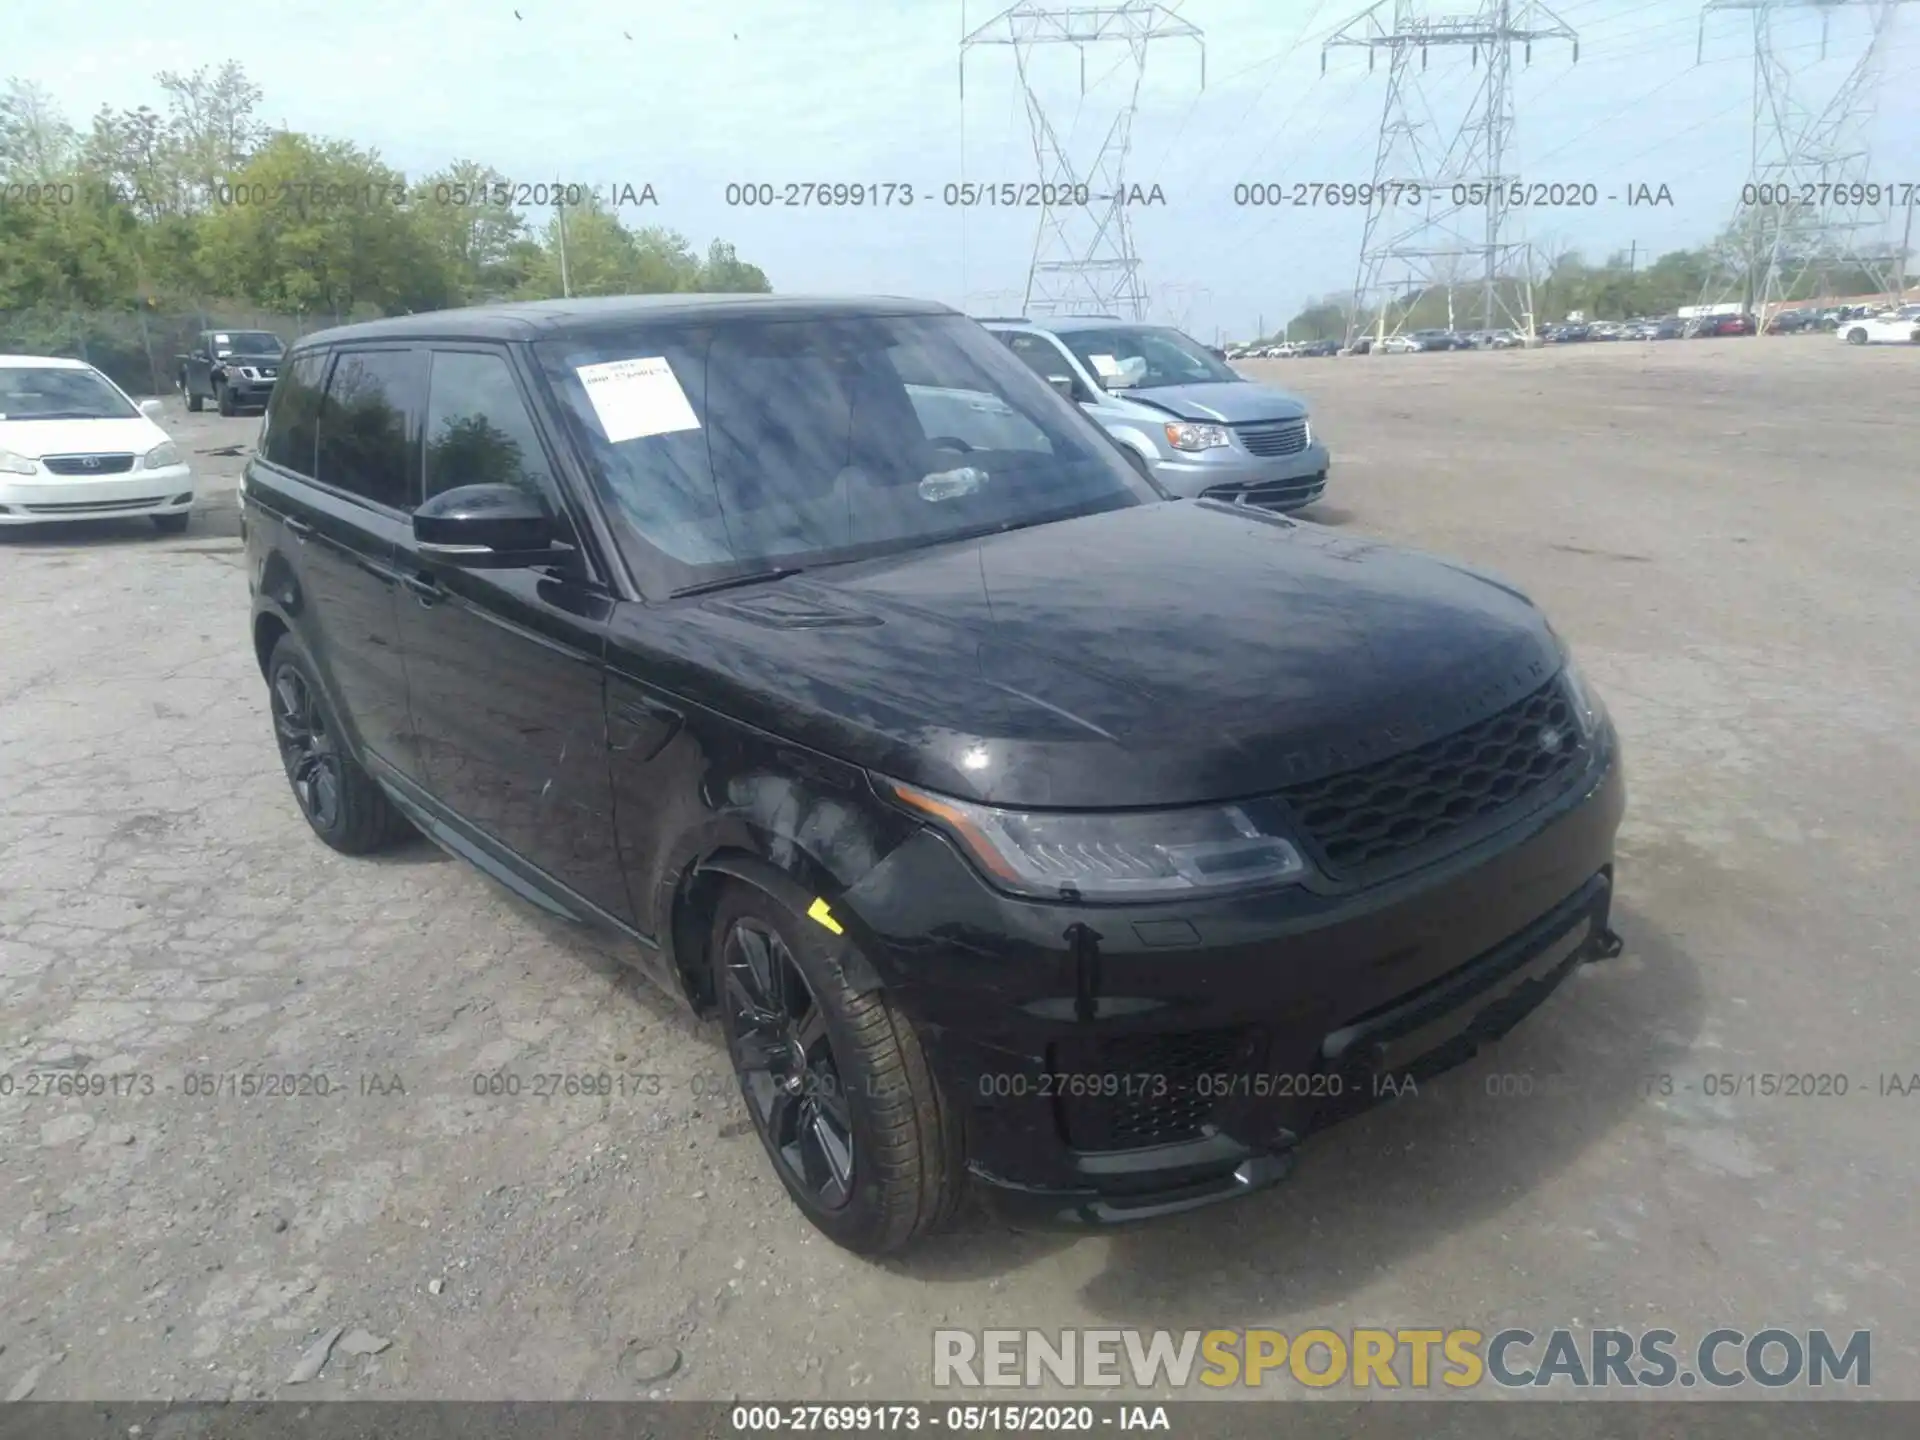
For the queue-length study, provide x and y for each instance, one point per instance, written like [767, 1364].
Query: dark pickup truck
[236, 369]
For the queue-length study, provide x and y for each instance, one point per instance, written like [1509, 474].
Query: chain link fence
[140, 348]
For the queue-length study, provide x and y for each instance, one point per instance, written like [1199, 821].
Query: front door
[506, 667]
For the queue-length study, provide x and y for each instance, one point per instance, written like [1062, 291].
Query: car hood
[1227, 402]
[1160, 654]
[35, 438]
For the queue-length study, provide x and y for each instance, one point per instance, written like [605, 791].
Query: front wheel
[223, 394]
[1856, 336]
[194, 399]
[835, 1080]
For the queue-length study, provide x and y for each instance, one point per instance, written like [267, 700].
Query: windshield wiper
[728, 582]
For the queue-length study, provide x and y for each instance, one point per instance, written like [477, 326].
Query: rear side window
[478, 430]
[1042, 356]
[293, 417]
[370, 426]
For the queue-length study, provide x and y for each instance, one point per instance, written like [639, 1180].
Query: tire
[195, 400]
[172, 524]
[863, 1093]
[338, 799]
[1856, 336]
[223, 396]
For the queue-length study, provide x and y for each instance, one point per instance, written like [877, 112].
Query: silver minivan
[1197, 424]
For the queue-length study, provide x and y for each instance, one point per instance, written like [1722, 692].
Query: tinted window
[369, 435]
[478, 431]
[293, 415]
[246, 342]
[820, 440]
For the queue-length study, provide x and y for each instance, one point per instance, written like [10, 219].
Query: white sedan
[1398, 345]
[1894, 327]
[73, 446]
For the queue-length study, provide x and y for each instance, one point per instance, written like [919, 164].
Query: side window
[369, 435]
[1041, 355]
[478, 431]
[293, 416]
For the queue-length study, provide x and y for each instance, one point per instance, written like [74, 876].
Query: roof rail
[1005, 319]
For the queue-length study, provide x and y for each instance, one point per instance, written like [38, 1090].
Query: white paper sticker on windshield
[634, 398]
[219, 339]
[1104, 364]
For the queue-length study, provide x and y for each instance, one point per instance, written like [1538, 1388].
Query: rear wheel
[338, 798]
[835, 1081]
[194, 398]
[1856, 336]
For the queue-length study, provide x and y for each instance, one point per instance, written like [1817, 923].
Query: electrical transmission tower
[1440, 196]
[1810, 205]
[1083, 255]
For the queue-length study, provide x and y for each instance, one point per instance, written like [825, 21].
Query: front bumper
[1280, 482]
[43, 498]
[249, 392]
[1119, 1063]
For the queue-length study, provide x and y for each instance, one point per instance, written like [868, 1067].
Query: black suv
[1021, 823]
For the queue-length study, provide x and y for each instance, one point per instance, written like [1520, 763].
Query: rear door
[508, 666]
[336, 457]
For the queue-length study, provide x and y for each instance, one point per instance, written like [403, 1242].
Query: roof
[42, 362]
[536, 319]
[1061, 324]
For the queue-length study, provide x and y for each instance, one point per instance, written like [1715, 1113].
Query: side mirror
[1064, 384]
[152, 408]
[485, 527]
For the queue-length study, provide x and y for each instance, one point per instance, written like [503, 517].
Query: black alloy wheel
[784, 1057]
[307, 749]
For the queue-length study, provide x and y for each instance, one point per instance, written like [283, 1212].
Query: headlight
[1587, 709]
[1182, 436]
[1112, 855]
[161, 456]
[13, 464]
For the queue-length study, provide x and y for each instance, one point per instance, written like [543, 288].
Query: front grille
[94, 507]
[1274, 437]
[1417, 798]
[1272, 494]
[1145, 1089]
[88, 464]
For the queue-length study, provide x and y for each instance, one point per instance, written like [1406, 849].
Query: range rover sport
[1023, 825]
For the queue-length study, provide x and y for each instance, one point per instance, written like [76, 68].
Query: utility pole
[1429, 183]
[1799, 151]
[1633, 259]
[1083, 256]
[560, 219]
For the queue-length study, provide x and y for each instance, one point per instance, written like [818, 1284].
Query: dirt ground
[1727, 531]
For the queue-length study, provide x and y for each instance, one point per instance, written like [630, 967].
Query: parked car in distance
[1198, 426]
[1708, 327]
[1793, 322]
[1892, 327]
[1435, 340]
[236, 369]
[1318, 349]
[75, 446]
[1359, 345]
[1397, 345]
[1566, 333]
[837, 665]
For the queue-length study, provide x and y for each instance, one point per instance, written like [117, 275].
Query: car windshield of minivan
[57, 393]
[753, 447]
[1160, 356]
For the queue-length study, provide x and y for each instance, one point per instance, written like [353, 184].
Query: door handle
[299, 529]
[425, 588]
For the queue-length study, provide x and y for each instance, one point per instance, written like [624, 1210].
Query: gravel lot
[1727, 531]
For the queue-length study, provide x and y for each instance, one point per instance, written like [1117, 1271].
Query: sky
[693, 97]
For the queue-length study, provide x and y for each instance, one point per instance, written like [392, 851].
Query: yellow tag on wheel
[822, 912]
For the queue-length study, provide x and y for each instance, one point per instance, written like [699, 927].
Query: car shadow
[1395, 1180]
[1320, 513]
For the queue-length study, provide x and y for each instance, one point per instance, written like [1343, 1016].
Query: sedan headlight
[1183, 436]
[1112, 855]
[161, 456]
[13, 464]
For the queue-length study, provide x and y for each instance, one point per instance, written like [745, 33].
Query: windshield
[247, 342]
[58, 393]
[757, 445]
[1159, 356]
